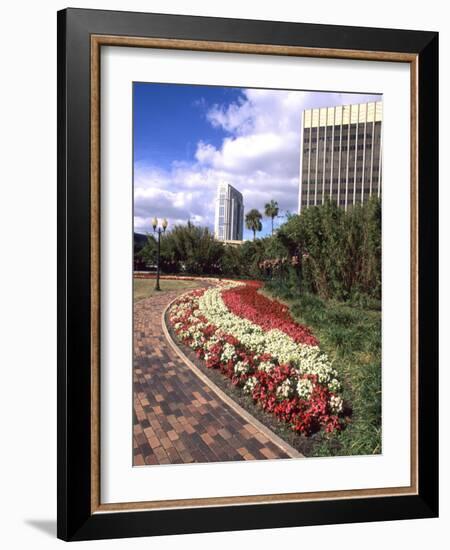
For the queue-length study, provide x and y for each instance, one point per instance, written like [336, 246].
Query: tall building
[341, 155]
[229, 220]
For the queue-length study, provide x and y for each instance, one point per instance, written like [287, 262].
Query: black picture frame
[75, 478]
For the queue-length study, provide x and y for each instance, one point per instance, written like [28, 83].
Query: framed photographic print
[247, 274]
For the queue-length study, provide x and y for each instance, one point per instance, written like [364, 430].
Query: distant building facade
[341, 156]
[229, 219]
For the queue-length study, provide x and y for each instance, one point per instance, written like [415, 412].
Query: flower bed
[245, 301]
[291, 379]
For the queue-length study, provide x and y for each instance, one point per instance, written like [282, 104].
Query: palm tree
[271, 210]
[253, 221]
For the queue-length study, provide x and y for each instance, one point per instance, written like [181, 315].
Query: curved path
[177, 417]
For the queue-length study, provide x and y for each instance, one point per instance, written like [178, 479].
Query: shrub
[339, 252]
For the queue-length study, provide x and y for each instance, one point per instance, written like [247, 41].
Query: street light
[159, 230]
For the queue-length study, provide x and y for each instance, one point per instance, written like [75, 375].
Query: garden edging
[288, 449]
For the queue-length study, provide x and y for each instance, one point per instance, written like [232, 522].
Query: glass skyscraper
[229, 218]
[341, 155]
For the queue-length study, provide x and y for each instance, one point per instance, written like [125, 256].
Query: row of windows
[342, 186]
[338, 139]
[336, 149]
[340, 202]
[340, 189]
[336, 185]
[342, 129]
[337, 135]
[328, 164]
[319, 197]
[359, 169]
[360, 147]
[345, 127]
[328, 173]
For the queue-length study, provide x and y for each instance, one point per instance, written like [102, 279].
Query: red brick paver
[177, 418]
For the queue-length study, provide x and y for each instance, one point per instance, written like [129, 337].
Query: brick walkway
[178, 418]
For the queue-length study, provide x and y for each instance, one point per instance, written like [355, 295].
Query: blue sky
[170, 120]
[187, 139]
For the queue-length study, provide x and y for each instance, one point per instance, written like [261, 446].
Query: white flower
[334, 386]
[285, 389]
[265, 366]
[241, 367]
[336, 404]
[304, 388]
[250, 384]
[228, 352]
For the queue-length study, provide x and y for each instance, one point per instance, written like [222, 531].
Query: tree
[271, 210]
[191, 249]
[253, 221]
[148, 252]
[339, 252]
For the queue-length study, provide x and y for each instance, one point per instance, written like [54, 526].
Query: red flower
[247, 302]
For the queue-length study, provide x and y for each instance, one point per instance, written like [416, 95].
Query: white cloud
[236, 117]
[260, 157]
[271, 153]
[179, 195]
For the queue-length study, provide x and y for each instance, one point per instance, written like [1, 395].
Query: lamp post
[159, 230]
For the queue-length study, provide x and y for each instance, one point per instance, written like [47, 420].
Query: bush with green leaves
[339, 251]
[186, 248]
[325, 250]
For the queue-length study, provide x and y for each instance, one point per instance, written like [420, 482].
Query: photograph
[257, 262]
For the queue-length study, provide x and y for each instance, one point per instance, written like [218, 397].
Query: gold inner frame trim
[97, 41]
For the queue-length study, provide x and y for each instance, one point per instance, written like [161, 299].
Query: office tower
[341, 155]
[229, 219]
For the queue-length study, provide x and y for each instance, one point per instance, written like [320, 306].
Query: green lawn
[351, 336]
[144, 288]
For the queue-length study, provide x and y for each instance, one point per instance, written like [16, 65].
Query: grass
[145, 288]
[351, 336]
